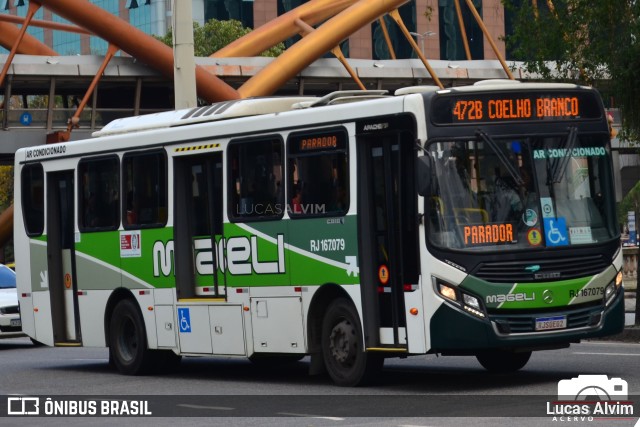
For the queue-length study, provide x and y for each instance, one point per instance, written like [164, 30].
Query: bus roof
[271, 105]
[217, 111]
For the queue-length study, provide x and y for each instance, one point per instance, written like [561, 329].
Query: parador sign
[35, 153]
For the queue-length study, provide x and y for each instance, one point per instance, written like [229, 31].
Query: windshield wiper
[515, 173]
[559, 165]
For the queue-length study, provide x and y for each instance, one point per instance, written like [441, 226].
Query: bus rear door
[61, 258]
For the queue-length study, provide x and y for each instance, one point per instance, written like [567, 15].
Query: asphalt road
[418, 391]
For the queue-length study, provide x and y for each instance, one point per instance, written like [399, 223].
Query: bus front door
[198, 226]
[388, 235]
[61, 266]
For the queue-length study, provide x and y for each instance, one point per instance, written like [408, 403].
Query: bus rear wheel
[501, 361]
[128, 340]
[342, 347]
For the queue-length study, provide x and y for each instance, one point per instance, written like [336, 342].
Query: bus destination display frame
[516, 106]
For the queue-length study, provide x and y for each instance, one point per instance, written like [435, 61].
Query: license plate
[16, 322]
[549, 323]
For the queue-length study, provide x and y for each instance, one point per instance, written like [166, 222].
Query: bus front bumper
[454, 331]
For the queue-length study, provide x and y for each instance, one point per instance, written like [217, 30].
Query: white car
[10, 324]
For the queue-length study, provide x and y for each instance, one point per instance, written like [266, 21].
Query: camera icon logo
[593, 387]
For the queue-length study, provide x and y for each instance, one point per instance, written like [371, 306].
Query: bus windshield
[529, 192]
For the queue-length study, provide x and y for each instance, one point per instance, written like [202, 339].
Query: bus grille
[522, 323]
[549, 269]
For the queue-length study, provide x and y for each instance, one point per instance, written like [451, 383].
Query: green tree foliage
[583, 41]
[6, 187]
[630, 202]
[214, 35]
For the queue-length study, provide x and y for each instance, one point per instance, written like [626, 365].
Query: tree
[215, 35]
[6, 186]
[630, 202]
[583, 41]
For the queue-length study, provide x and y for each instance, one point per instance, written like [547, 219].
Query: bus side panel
[166, 329]
[26, 315]
[37, 281]
[23, 281]
[92, 306]
[227, 329]
[277, 325]
[42, 318]
[165, 318]
[416, 340]
[432, 269]
[194, 328]
[145, 302]
[97, 275]
[21, 253]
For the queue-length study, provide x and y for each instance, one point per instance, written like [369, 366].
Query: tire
[499, 361]
[128, 340]
[343, 352]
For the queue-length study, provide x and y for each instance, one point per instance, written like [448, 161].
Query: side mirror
[424, 167]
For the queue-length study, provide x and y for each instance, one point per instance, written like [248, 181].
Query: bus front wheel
[128, 340]
[342, 347]
[501, 361]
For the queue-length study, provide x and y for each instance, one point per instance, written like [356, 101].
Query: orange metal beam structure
[64, 136]
[44, 24]
[31, 11]
[395, 15]
[273, 32]
[316, 44]
[478, 18]
[463, 30]
[337, 52]
[387, 39]
[136, 43]
[29, 44]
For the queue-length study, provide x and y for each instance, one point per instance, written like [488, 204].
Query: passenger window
[99, 194]
[144, 184]
[33, 199]
[318, 182]
[255, 172]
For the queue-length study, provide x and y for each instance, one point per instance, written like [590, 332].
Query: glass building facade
[154, 17]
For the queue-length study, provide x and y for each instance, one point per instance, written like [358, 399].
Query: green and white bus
[477, 220]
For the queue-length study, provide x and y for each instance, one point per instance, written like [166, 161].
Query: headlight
[471, 301]
[467, 302]
[619, 279]
[447, 292]
[609, 292]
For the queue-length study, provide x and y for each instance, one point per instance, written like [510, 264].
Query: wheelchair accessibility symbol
[555, 232]
[184, 320]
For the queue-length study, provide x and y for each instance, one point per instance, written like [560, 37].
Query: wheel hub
[342, 343]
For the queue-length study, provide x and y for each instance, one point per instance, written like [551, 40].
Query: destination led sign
[510, 106]
[319, 141]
